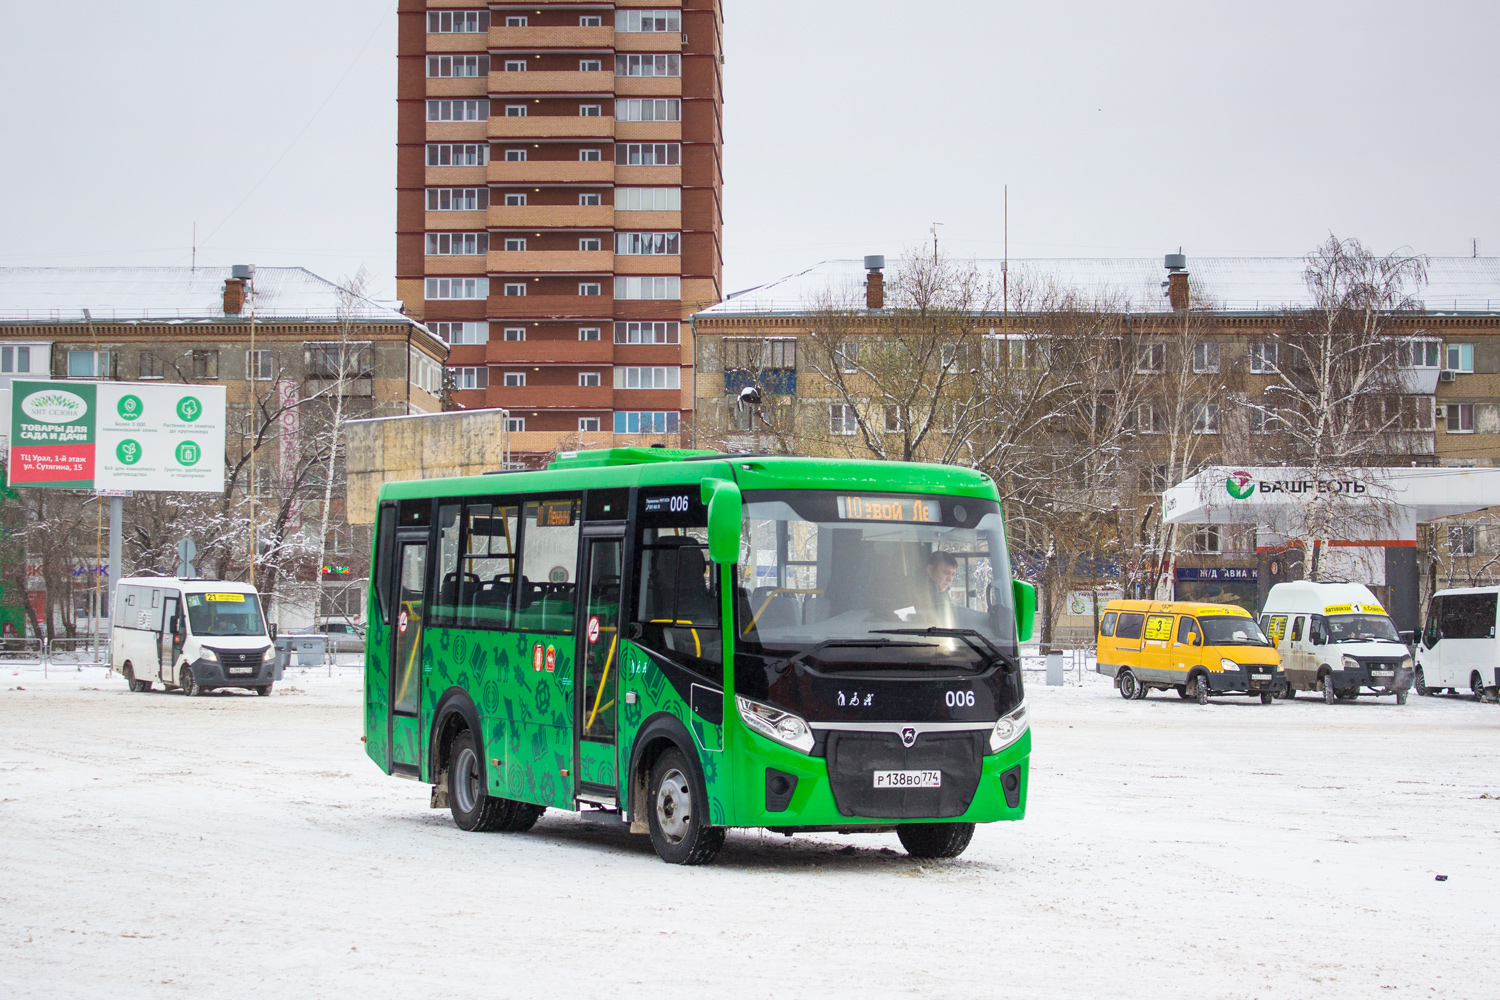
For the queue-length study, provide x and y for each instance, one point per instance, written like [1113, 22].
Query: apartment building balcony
[547, 397]
[532, 261]
[566, 36]
[446, 264]
[457, 86]
[647, 176]
[1418, 381]
[648, 131]
[648, 41]
[455, 132]
[648, 399]
[653, 221]
[551, 126]
[553, 82]
[454, 177]
[557, 171]
[642, 86]
[549, 353]
[538, 216]
[454, 221]
[600, 307]
[646, 264]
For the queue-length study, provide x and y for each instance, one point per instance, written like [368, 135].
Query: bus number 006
[959, 699]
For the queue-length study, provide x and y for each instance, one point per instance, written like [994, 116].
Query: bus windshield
[871, 583]
[225, 614]
[1231, 630]
[1349, 628]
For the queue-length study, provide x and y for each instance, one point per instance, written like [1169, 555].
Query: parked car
[343, 637]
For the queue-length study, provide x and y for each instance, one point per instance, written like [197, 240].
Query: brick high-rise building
[559, 207]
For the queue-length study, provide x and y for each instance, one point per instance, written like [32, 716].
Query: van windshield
[225, 614]
[1230, 630]
[1351, 628]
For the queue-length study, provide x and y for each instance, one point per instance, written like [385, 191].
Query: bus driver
[942, 568]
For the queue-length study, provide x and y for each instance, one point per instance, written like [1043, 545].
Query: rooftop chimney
[234, 296]
[874, 282]
[1177, 280]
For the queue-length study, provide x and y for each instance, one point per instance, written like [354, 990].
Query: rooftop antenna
[935, 240]
[1005, 260]
[195, 247]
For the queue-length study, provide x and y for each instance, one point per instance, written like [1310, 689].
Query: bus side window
[1187, 632]
[1431, 635]
[1129, 626]
[548, 583]
[1297, 624]
[487, 581]
[444, 608]
[1107, 626]
[385, 557]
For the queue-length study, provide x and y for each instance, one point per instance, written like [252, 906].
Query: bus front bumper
[1382, 679]
[1247, 680]
[212, 674]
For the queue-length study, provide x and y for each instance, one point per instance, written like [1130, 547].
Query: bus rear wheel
[935, 840]
[677, 814]
[135, 685]
[1420, 684]
[473, 809]
[1129, 686]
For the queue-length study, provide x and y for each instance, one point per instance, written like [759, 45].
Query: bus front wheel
[677, 814]
[189, 683]
[935, 840]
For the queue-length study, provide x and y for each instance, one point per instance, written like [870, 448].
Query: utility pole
[250, 398]
[1005, 260]
[935, 241]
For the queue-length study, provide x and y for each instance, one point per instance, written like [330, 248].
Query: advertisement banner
[117, 436]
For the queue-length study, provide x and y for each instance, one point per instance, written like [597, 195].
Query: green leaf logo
[130, 408]
[189, 409]
[128, 451]
[1240, 485]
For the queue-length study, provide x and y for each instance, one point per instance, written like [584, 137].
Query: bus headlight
[1350, 663]
[268, 655]
[1010, 727]
[209, 656]
[1228, 664]
[775, 724]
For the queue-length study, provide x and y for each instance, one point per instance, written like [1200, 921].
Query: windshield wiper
[796, 658]
[976, 639]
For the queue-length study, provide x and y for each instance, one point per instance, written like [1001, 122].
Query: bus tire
[1401, 697]
[1144, 689]
[1182, 691]
[677, 814]
[264, 689]
[1128, 685]
[1420, 683]
[137, 686]
[189, 683]
[1476, 685]
[1200, 688]
[1265, 697]
[935, 840]
[473, 809]
[523, 816]
[1325, 683]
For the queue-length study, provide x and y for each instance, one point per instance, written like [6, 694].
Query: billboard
[117, 436]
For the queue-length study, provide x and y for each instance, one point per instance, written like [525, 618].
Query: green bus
[686, 641]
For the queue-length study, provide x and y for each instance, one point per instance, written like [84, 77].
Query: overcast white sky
[1123, 129]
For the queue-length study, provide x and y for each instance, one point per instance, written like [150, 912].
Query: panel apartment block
[559, 211]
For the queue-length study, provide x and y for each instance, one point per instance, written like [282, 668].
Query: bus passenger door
[406, 651]
[168, 644]
[599, 653]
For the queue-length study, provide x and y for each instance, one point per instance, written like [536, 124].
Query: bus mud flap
[440, 792]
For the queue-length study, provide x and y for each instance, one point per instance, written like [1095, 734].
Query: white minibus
[1335, 638]
[191, 635]
[1458, 647]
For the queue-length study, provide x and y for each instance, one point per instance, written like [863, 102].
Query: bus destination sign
[907, 509]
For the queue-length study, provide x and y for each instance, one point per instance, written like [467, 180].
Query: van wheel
[1477, 686]
[1325, 683]
[1200, 691]
[1420, 683]
[264, 690]
[1129, 686]
[1182, 691]
[189, 683]
[1401, 697]
[1144, 689]
[678, 816]
[1265, 697]
[1288, 692]
[473, 809]
[135, 685]
[935, 840]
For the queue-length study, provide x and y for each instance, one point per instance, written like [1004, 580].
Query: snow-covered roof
[172, 295]
[1231, 284]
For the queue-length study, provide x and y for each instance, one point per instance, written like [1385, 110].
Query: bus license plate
[908, 779]
[242, 670]
[1382, 673]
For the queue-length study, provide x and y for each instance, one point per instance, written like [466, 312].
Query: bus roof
[193, 586]
[1178, 608]
[621, 467]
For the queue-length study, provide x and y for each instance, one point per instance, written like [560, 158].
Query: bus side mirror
[726, 508]
[1025, 599]
[1194, 640]
[273, 631]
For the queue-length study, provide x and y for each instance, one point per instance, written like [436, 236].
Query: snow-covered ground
[234, 846]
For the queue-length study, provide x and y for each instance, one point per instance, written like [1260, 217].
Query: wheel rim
[674, 806]
[1127, 686]
[1420, 682]
[187, 681]
[465, 788]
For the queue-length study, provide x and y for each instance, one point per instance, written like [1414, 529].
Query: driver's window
[1297, 624]
[1187, 632]
[1317, 632]
[677, 605]
[1432, 635]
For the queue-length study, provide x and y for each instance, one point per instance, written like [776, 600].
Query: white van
[192, 635]
[1336, 638]
[1458, 647]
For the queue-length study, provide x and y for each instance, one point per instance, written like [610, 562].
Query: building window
[648, 154]
[1420, 354]
[339, 360]
[648, 109]
[205, 364]
[1205, 418]
[458, 244]
[458, 111]
[1460, 357]
[892, 419]
[590, 66]
[1460, 418]
[515, 199]
[588, 333]
[842, 420]
[1205, 359]
[665, 287]
[458, 288]
[648, 199]
[515, 156]
[457, 154]
[588, 379]
[648, 244]
[260, 365]
[458, 334]
[1263, 356]
[515, 288]
[644, 64]
[846, 357]
[469, 378]
[458, 199]
[1148, 420]
[151, 363]
[1263, 420]
[646, 422]
[590, 21]
[590, 244]
[1154, 479]
[1150, 358]
[15, 359]
[458, 22]
[514, 334]
[515, 380]
[515, 425]
[589, 156]
[515, 21]
[1463, 540]
[514, 244]
[88, 364]
[515, 111]
[634, 21]
[426, 374]
[590, 110]
[515, 65]
[590, 424]
[442, 67]
[1207, 539]
[590, 288]
[648, 378]
[591, 198]
[664, 332]
[752, 354]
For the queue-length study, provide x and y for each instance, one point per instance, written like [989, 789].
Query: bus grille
[240, 661]
[853, 759]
